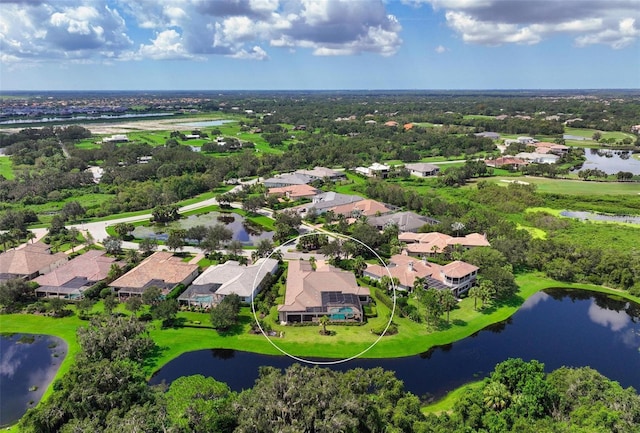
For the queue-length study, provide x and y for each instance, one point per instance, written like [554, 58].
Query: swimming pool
[341, 313]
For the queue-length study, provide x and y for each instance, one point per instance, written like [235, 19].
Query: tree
[14, 293]
[359, 265]
[419, 283]
[123, 229]
[132, 257]
[447, 300]
[110, 303]
[433, 308]
[112, 245]
[152, 295]
[165, 310]
[252, 204]
[225, 314]
[73, 210]
[264, 248]
[496, 396]
[58, 307]
[88, 239]
[57, 225]
[197, 233]
[133, 304]
[165, 214]
[234, 247]
[176, 239]
[73, 237]
[201, 404]
[487, 291]
[115, 338]
[148, 245]
[596, 136]
[475, 293]
[215, 236]
[324, 321]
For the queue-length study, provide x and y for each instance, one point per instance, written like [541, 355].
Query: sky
[319, 44]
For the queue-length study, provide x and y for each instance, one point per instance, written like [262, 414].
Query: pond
[601, 217]
[204, 124]
[558, 327]
[611, 161]
[28, 363]
[243, 230]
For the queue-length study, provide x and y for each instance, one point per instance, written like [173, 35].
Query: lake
[28, 363]
[610, 161]
[206, 123]
[582, 215]
[243, 230]
[558, 327]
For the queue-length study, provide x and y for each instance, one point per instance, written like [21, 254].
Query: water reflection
[610, 161]
[535, 300]
[555, 328]
[614, 319]
[243, 230]
[28, 364]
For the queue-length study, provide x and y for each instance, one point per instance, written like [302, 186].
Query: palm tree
[73, 237]
[448, 301]
[457, 227]
[419, 283]
[475, 292]
[487, 291]
[30, 236]
[496, 395]
[324, 320]
[359, 265]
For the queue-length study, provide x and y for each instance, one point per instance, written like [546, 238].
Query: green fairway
[575, 187]
[446, 403]
[6, 167]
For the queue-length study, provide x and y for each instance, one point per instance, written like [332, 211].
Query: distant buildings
[422, 169]
[374, 170]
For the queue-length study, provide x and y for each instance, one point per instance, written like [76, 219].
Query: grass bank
[413, 338]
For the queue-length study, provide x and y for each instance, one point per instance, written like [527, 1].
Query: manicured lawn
[6, 167]
[575, 187]
[305, 341]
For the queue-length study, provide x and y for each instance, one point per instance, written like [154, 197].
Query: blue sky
[313, 44]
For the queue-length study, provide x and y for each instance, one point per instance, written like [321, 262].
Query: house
[325, 291]
[456, 276]
[506, 161]
[374, 170]
[365, 207]
[161, 269]
[218, 281]
[526, 140]
[117, 138]
[294, 192]
[408, 126]
[29, 261]
[287, 180]
[320, 173]
[72, 278]
[325, 201]
[546, 147]
[491, 135]
[540, 158]
[425, 244]
[422, 169]
[405, 221]
[391, 123]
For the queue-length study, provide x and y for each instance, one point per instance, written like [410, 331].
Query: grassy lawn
[575, 187]
[305, 341]
[6, 167]
[446, 403]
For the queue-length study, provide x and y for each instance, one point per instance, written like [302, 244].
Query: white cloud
[440, 49]
[497, 22]
[187, 29]
[168, 45]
